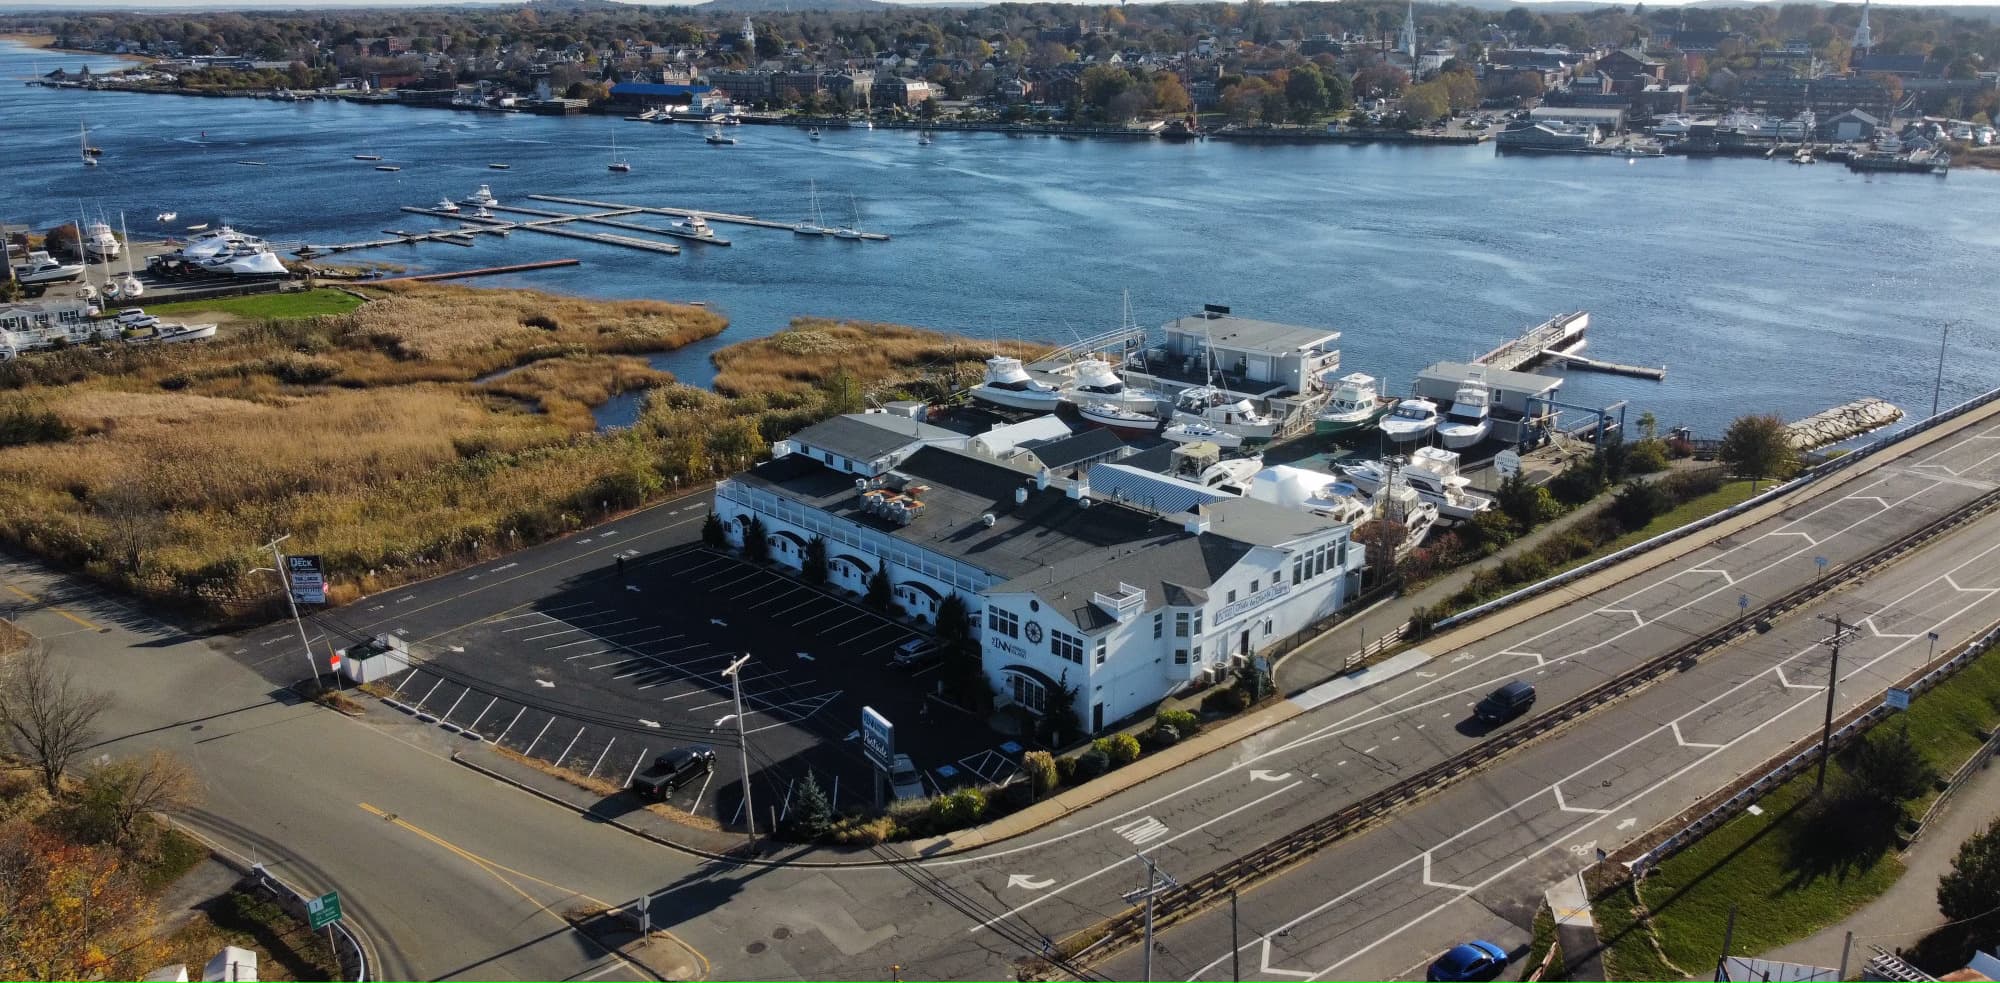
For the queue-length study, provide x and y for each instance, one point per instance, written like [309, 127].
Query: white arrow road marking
[1684, 742]
[1628, 822]
[1788, 684]
[634, 588]
[650, 723]
[586, 539]
[545, 684]
[718, 622]
[473, 577]
[1464, 657]
[1427, 675]
[1260, 775]
[377, 607]
[1029, 882]
[456, 648]
[719, 721]
[806, 656]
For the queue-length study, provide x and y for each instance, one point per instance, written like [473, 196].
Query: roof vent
[1042, 479]
[1021, 495]
[988, 520]
[1083, 503]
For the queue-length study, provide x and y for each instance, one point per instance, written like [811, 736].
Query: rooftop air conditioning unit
[988, 520]
[1021, 495]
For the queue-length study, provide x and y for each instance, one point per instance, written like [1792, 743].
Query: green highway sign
[324, 910]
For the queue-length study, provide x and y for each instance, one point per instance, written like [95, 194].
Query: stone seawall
[1841, 422]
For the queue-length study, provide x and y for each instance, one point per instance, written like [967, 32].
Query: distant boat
[499, 167]
[812, 226]
[164, 217]
[367, 156]
[387, 167]
[617, 166]
[197, 228]
[83, 144]
[813, 132]
[716, 138]
[253, 163]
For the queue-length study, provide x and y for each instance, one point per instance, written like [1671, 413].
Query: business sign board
[307, 580]
[878, 738]
[1898, 699]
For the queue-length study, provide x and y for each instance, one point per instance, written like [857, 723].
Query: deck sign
[308, 582]
[878, 738]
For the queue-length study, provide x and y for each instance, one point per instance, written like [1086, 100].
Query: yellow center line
[60, 611]
[494, 867]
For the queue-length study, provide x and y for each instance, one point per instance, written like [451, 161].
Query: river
[1762, 286]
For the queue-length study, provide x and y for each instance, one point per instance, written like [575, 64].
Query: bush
[1647, 457]
[1489, 530]
[811, 815]
[1423, 620]
[1041, 769]
[864, 831]
[1181, 720]
[1091, 763]
[957, 810]
[1685, 485]
[1637, 502]
[1524, 569]
[1223, 702]
[542, 321]
[1162, 736]
[1066, 770]
[1578, 483]
[1120, 749]
[1569, 545]
[1679, 448]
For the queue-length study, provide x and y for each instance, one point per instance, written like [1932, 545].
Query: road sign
[308, 582]
[1507, 463]
[1742, 602]
[878, 738]
[1898, 699]
[1820, 561]
[323, 910]
[333, 662]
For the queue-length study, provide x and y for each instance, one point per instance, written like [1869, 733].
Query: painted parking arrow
[545, 684]
[1628, 822]
[456, 648]
[1260, 775]
[806, 656]
[650, 723]
[718, 622]
[1029, 882]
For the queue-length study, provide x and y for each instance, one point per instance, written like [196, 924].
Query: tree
[1305, 89]
[811, 812]
[842, 393]
[756, 540]
[1637, 502]
[1757, 446]
[1103, 83]
[879, 590]
[1426, 102]
[815, 561]
[1169, 96]
[116, 796]
[712, 532]
[1968, 890]
[49, 717]
[1889, 766]
[70, 911]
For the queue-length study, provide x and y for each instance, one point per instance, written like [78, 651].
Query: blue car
[1477, 960]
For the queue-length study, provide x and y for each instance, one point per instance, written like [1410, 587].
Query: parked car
[1475, 960]
[672, 770]
[1505, 703]
[915, 654]
[905, 781]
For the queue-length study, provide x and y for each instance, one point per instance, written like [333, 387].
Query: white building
[1276, 366]
[40, 325]
[1067, 587]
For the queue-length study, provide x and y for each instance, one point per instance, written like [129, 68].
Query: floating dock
[546, 264]
[732, 219]
[1579, 361]
[549, 226]
[1559, 339]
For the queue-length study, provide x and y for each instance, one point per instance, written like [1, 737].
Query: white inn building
[1067, 587]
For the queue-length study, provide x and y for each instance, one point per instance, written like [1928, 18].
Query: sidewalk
[1908, 910]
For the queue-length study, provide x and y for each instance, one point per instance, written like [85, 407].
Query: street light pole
[742, 744]
[1832, 682]
[285, 584]
[1938, 389]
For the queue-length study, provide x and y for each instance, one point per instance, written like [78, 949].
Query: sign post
[878, 742]
[323, 911]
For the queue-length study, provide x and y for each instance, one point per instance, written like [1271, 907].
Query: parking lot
[614, 668]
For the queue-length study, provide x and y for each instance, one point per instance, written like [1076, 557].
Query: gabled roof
[867, 436]
[1065, 452]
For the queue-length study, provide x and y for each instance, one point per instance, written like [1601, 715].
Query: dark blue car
[1477, 960]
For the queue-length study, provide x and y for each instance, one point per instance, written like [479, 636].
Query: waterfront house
[1852, 125]
[655, 95]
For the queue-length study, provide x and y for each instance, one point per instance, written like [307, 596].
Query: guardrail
[1958, 778]
[1807, 754]
[1194, 894]
[1806, 477]
[354, 960]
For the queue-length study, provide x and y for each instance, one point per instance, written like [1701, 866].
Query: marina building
[1606, 119]
[1276, 366]
[1122, 585]
[45, 324]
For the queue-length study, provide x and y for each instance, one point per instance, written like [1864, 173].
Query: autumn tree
[1967, 891]
[48, 716]
[1169, 95]
[116, 796]
[70, 911]
[1757, 446]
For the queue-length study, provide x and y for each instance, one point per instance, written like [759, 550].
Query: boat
[43, 268]
[1096, 382]
[1224, 410]
[387, 167]
[1470, 419]
[447, 206]
[1401, 504]
[1189, 432]
[169, 332]
[1354, 405]
[617, 166]
[98, 243]
[1433, 472]
[717, 138]
[83, 145]
[1412, 420]
[1309, 491]
[812, 133]
[367, 156]
[812, 226]
[692, 226]
[129, 286]
[481, 212]
[197, 228]
[165, 217]
[483, 197]
[499, 167]
[1008, 384]
[924, 138]
[1118, 418]
[850, 232]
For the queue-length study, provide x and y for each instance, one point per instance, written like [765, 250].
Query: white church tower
[1864, 37]
[1407, 41]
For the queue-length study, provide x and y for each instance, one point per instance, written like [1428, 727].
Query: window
[1180, 624]
[1159, 623]
[1003, 622]
[1197, 655]
[1267, 627]
[1298, 570]
[1180, 657]
[1066, 647]
[1100, 651]
[1253, 586]
[1029, 693]
[1232, 598]
[1197, 621]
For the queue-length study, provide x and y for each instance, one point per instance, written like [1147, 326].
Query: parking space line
[537, 638]
[620, 662]
[795, 607]
[636, 762]
[454, 706]
[406, 681]
[600, 758]
[510, 725]
[752, 575]
[427, 693]
[474, 725]
[530, 752]
[587, 641]
[844, 624]
[838, 608]
[545, 624]
[560, 758]
[780, 597]
[705, 779]
[584, 655]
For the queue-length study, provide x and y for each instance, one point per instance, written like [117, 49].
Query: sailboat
[617, 166]
[129, 287]
[812, 227]
[83, 145]
[850, 231]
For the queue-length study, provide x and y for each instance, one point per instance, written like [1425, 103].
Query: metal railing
[1806, 477]
[1958, 779]
[1194, 894]
[353, 961]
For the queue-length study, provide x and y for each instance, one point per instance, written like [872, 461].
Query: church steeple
[1407, 41]
[1864, 37]
[749, 35]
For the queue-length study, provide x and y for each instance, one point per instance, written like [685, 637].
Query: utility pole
[1728, 937]
[1938, 389]
[1832, 683]
[285, 584]
[742, 744]
[1235, 947]
[1156, 883]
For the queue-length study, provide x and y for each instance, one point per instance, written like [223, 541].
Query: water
[1762, 286]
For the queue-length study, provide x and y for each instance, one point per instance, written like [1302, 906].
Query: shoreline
[47, 42]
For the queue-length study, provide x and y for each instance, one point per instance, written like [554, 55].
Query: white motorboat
[1118, 418]
[1433, 472]
[1310, 491]
[205, 246]
[1008, 384]
[447, 206]
[168, 333]
[1096, 381]
[43, 268]
[812, 226]
[99, 244]
[692, 226]
[246, 261]
[1354, 405]
[1469, 420]
[1401, 504]
[1189, 432]
[483, 197]
[718, 138]
[1412, 420]
[165, 217]
[1233, 475]
[1224, 410]
[812, 133]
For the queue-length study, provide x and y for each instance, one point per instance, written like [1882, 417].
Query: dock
[549, 226]
[1577, 361]
[546, 264]
[726, 217]
[606, 218]
[1559, 339]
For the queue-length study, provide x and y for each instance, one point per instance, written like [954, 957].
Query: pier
[549, 226]
[1559, 339]
[1578, 361]
[546, 264]
[732, 219]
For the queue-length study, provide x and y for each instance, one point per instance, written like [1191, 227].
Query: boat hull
[1333, 426]
[1405, 434]
[1033, 402]
[1220, 438]
[1458, 438]
[1124, 425]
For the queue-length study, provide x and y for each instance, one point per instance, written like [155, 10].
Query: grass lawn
[308, 303]
[1731, 493]
[1629, 953]
[1538, 947]
[1772, 867]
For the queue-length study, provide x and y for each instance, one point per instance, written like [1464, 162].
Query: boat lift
[1605, 422]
